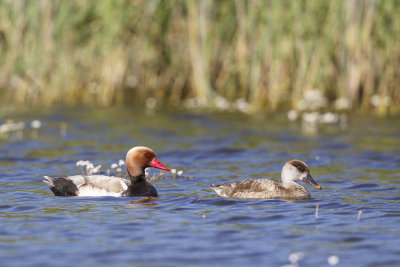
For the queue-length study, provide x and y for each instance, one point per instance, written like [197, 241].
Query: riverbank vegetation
[254, 55]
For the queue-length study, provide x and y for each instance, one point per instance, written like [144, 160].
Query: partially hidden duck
[137, 159]
[288, 188]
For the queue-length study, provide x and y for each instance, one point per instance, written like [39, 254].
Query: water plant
[243, 55]
[87, 168]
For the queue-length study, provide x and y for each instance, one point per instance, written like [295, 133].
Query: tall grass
[266, 52]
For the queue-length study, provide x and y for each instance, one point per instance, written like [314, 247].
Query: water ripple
[357, 217]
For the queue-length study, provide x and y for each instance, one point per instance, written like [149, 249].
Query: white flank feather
[90, 191]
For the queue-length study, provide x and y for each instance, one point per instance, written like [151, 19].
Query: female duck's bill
[137, 159]
[287, 188]
[309, 180]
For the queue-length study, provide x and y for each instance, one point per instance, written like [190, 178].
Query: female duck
[288, 188]
[137, 159]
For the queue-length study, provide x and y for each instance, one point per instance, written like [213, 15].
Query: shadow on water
[357, 217]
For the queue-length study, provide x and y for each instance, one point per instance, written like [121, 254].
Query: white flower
[310, 118]
[293, 115]
[121, 162]
[151, 103]
[89, 166]
[329, 118]
[333, 260]
[36, 124]
[295, 257]
[79, 163]
[242, 105]
[342, 103]
[173, 171]
[180, 172]
[221, 103]
[114, 165]
[377, 100]
[315, 99]
[119, 169]
[302, 104]
[96, 169]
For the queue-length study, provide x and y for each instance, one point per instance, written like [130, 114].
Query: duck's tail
[61, 186]
[48, 180]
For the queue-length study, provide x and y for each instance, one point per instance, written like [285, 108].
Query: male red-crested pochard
[294, 170]
[137, 159]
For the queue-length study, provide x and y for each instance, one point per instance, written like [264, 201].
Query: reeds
[268, 54]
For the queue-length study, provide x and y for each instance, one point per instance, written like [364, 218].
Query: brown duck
[288, 188]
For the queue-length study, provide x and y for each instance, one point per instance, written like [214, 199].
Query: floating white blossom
[342, 103]
[311, 118]
[80, 163]
[312, 100]
[329, 118]
[309, 124]
[89, 168]
[151, 103]
[221, 103]
[377, 100]
[296, 257]
[96, 169]
[315, 99]
[293, 115]
[242, 105]
[302, 104]
[10, 126]
[121, 162]
[179, 172]
[36, 124]
[173, 171]
[132, 81]
[114, 165]
[333, 260]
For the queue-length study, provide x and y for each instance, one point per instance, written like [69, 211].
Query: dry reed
[268, 53]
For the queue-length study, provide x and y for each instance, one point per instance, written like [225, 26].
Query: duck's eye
[146, 154]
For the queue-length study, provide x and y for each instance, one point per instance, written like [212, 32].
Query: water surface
[358, 167]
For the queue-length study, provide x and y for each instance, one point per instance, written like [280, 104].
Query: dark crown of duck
[305, 171]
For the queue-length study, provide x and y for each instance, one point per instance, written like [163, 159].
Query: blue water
[357, 165]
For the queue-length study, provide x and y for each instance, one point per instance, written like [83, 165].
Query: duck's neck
[288, 171]
[140, 186]
[287, 182]
[137, 176]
